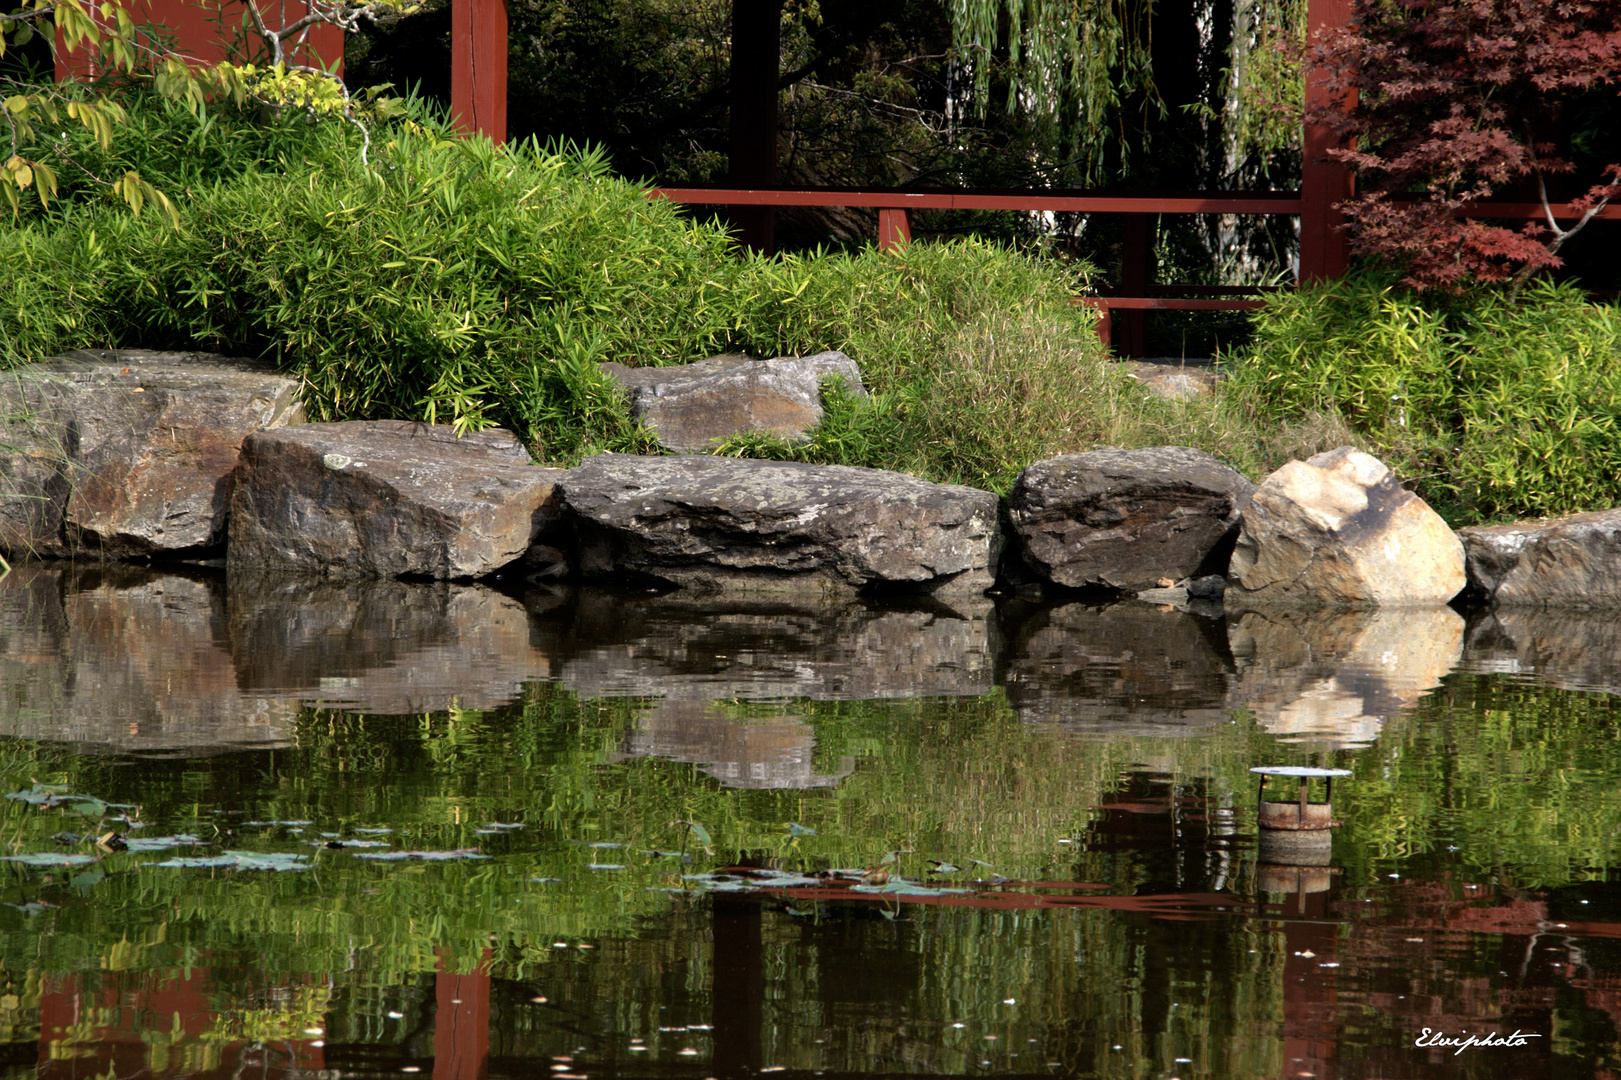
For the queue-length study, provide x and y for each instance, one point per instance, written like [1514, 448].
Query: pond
[286, 828]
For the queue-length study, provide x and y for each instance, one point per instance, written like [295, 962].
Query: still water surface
[402, 829]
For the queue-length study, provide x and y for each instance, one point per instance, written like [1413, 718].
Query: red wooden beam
[1527, 211]
[478, 67]
[1214, 203]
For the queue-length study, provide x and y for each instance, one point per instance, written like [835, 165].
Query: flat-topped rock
[385, 498]
[129, 452]
[1569, 562]
[730, 524]
[689, 406]
[1338, 530]
[1126, 519]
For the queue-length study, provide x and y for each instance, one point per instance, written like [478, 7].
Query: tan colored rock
[1569, 562]
[690, 406]
[1175, 382]
[1339, 530]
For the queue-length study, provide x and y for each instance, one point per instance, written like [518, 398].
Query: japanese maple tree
[1444, 103]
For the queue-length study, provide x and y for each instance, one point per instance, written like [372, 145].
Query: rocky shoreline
[132, 454]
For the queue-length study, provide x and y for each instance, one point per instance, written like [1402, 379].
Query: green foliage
[1494, 409]
[464, 283]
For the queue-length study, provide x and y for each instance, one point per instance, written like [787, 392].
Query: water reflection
[1334, 678]
[1110, 916]
[1579, 650]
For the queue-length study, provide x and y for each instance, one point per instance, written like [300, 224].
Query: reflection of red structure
[91, 1022]
[461, 1021]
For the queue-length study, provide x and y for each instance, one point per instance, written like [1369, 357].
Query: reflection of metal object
[1296, 837]
[1294, 879]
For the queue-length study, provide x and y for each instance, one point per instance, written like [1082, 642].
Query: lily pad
[796, 829]
[290, 824]
[372, 832]
[606, 866]
[240, 860]
[423, 856]
[160, 843]
[503, 825]
[49, 858]
[334, 844]
[605, 845]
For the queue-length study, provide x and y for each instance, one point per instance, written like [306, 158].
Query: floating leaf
[33, 907]
[160, 843]
[944, 867]
[796, 829]
[290, 824]
[503, 825]
[49, 858]
[606, 866]
[334, 844]
[424, 856]
[240, 860]
[372, 832]
[606, 846]
[90, 808]
[87, 878]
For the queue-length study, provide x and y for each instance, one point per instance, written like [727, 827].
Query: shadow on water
[962, 839]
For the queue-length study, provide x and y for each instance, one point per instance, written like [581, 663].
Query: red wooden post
[894, 228]
[1323, 183]
[478, 67]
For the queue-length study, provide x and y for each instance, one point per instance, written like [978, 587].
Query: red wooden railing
[1136, 294]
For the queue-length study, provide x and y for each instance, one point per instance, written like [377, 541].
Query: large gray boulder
[1570, 562]
[385, 498]
[129, 452]
[1125, 519]
[729, 524]
[1338, 530]
[689, 406]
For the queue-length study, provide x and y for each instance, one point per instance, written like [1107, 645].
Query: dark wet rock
[1119, 670]
[126, 659]
[1336, 676]
[1569, 648]
[1210, 587]
[735, 525]
[385, 498]
[691, 405]
[1338, 530]
[129, 452]
[697, 647]
[1570, 562]
[740, 752]
[1126, 519]
[386, 647]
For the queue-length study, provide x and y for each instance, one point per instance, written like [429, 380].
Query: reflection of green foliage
[1500, 779]
[1520, 779]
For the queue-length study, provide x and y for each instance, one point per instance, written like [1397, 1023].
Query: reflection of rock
[1338, 530]
[686, 647]
[381, 646]
[1336, 676]
[127, 659]
[1570, 649]
[1122, 670]
[765, 752]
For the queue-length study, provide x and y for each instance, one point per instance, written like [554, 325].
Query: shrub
[465, 283]
[1493, 409]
